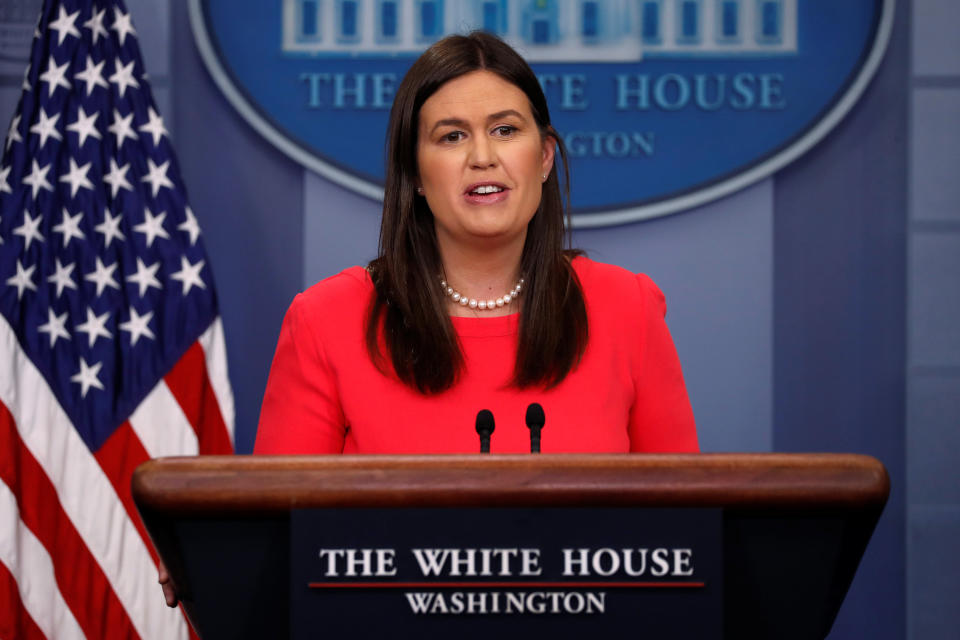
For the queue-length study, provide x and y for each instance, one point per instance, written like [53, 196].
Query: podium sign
[506, 572]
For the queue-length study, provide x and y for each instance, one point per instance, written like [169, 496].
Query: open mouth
[486, 193]
[485, 189]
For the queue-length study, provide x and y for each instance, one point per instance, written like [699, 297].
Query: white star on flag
[152, 226]
[38, 179]
[85, 126]
[95, 24]
[137, 326]
[77, 177]
[30, 229]
[4, 184]
[157, 176]
[154, 126]
[46, 127]
[64, 25]
[145, 277]
[122, 128]
[61, 277]
[55, 326]
[95, 326]
[122, 24]
[123, 77]
[23, 279]
[87, 377]
[69, 227]
[189, 275]
[117, 178]
[191, 226]
[92, 75]
[102, 276]
[13, 133]
[110, 227]
[54, 76]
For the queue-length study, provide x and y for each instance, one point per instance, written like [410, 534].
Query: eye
[453, 136]
[504, 130]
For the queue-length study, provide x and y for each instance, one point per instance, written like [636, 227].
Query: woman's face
[481, 160]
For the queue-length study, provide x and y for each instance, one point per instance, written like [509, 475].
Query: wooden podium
[794, 526]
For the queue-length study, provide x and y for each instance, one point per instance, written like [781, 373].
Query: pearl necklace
[482, 305]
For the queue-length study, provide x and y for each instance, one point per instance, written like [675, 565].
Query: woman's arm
[301, 411]
[661, 419]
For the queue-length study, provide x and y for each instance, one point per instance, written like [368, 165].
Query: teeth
[487, 188]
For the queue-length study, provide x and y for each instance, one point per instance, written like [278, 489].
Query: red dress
[324, 394]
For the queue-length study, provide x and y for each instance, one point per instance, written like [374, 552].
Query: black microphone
[484, 429]
[535, 422]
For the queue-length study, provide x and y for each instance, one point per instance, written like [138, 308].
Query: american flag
[111, 346]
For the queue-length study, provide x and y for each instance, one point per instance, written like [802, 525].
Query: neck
[483, 274]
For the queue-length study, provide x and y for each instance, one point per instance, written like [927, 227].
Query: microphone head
[535, 416]
[485, 422]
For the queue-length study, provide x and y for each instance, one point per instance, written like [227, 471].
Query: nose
[482, 153]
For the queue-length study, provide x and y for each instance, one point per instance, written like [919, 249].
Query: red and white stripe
[74, 558]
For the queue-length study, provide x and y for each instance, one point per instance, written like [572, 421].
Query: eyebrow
[457, 122]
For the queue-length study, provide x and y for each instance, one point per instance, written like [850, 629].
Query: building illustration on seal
[545, 30]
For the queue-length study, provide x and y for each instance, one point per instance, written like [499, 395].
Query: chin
[493, 227]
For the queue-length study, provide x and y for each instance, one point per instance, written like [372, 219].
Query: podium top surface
[265, 484]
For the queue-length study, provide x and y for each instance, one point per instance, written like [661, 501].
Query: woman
[473, 303]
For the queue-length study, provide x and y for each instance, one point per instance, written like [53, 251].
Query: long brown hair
[408, 314]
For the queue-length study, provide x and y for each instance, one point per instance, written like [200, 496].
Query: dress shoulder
[346, 289]
[619, 286]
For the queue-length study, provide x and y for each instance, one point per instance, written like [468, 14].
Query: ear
[549, 149]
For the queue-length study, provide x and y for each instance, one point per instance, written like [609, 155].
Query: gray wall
[933, 363]
[839, 316]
